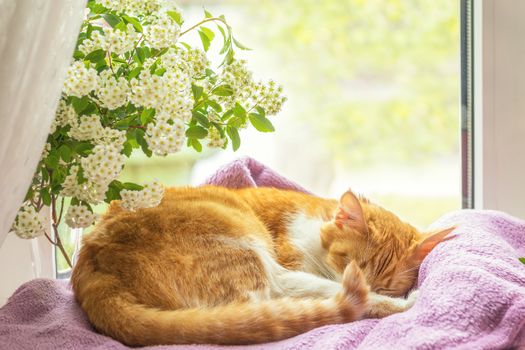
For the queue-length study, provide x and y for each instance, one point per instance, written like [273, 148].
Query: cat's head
[388, 250]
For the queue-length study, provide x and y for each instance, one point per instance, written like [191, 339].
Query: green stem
[202, 22]
[54, 225]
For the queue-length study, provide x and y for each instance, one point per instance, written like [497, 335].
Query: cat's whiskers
[408, 270]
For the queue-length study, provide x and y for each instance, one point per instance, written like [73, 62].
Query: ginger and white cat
[225, 266]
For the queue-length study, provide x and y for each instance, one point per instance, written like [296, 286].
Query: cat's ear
[429, 241]
[350, 213]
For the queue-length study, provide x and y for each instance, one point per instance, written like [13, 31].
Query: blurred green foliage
[379, 79]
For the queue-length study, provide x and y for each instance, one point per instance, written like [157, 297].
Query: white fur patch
[304, 233]
[283, 282]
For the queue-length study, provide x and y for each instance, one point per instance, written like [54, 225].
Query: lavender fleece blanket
[472, 294]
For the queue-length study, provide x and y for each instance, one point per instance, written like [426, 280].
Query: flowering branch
[134, 87]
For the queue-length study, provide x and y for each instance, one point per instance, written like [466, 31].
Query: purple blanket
[472, 294]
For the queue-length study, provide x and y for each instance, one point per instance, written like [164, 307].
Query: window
[373, 88]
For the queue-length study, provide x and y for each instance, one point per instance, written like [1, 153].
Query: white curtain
[37, 39]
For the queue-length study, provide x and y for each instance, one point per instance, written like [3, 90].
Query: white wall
[499, 105]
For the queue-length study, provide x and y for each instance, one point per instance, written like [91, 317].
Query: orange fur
[215, 265]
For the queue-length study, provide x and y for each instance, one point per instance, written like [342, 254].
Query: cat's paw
[412, 298]
[380, 306]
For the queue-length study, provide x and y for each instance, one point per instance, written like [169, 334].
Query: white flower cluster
[215, 140]
[172, 99]
[96, 42]
[150, 196]
[120, 41]
[80, 80]
[103, 165]
[87, 191]
[45, 151]
[239, 77]
[112, 93]
[248, 92]
[162, 32]
[65, 115]
[90, 128]
[79, 216]
[28, 223]
[131, 6]
[269, 96]
[164, 138]
[196, 60]
[148, 90]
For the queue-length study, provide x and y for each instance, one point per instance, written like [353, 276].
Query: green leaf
[201, 118]
[74, 201]
[80, 176]
[223, 90]
[46, 197]
[83, 148]
[111, 19]
[30, 193]
[226, 45]
[176, 17]
[261, 111]
[228, 59]
[65, 153]
[217, 107]
[96, 56]
[121, 26]
[124, 123]
[139, 135]
[79, 104]
[219, 128]
[239, 111]
[208, 32]
[205, 40]
[134, 21]
[195, 144]
[78, 55]
[239, 45]
[223, 33]
[207, 14]
[140, 54]
[101, 65]
[127, 149]
[227, 114]
[197, 91]
[147, 115]
[96, 8]
[233, 133]
[261, 123]
[113, 193]
[197, 132]
[132, 186]
[160, 72]
[91, 107]
[522, 260]
[134, 72]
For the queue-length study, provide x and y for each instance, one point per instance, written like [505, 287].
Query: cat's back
[183, 211]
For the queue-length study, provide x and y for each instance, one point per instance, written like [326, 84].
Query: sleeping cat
[225, 266]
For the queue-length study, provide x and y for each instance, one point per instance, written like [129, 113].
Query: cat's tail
[118, 314]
